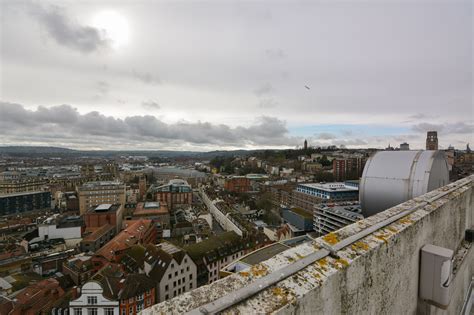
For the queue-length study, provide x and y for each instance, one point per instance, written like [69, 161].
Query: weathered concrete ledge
[376, 275]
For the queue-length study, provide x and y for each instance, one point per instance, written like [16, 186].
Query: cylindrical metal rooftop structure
[393, 177]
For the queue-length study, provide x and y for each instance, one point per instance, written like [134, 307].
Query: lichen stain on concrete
[331, 238]
[405, 220]
[382, 236]
[259, 270]
[244, 273]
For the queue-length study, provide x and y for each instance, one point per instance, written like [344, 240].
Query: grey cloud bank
[64, 122]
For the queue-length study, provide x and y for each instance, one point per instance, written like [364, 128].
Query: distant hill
[43, 151]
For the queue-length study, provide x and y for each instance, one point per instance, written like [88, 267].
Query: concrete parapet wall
[375, 275]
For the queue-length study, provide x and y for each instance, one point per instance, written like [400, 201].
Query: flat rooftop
[329, 187]
[106, 207]
[25, 193]
[151, 208]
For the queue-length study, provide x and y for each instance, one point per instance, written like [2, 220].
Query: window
[182, 270]
[148, 301]
[130, 310]
[190, 285]
[172, 266]
[124, 311]
[139, 307]
[169, 276]
[108, 311]
[166, 287]
[174, 293]
[179, 281]
[92, 300]
[92, 311]
[187, 268]
[78, 311]
[190, 276]
[166, 297]
[185, 260]
[148, 292]
[130, 300]
[176, 274]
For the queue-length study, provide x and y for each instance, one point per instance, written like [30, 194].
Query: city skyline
[206, 76]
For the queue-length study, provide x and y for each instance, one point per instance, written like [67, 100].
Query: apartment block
[100, 192]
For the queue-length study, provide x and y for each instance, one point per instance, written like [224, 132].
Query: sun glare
[114, 27]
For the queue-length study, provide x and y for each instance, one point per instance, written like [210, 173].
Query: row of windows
[138, 307]
[175, 293]
[176, 272]
[139, 297]
[93, 311]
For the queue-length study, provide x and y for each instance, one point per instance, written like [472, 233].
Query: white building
[56, 227]
[93, 302]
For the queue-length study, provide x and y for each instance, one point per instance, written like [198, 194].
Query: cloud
[102, 87]
[151, 105]
[446, 128]
[264, 89]
[146, 77]
[267, 103]
[66, 31]
[59, 124]
[275, 54]
[326, 136]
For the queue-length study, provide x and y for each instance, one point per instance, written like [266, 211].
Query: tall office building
[432, 140]
[100, 192]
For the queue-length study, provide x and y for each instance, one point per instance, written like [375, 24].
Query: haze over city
[231, 75]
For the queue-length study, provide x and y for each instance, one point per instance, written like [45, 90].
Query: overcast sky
[204, 75]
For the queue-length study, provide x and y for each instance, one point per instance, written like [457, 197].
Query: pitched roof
[134, 285]
[130, 236]
[160, 256]
[216, 247]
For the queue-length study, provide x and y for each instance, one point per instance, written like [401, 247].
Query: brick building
[176, 192]
[104, 214]
[134, 232]
[350, 168]
[239, 184]
[156, 211]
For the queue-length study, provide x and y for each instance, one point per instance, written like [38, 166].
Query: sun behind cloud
[114, 27]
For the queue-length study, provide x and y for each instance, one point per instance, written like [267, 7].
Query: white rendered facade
[93, 302]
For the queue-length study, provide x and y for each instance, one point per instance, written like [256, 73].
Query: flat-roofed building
[68, 228]
[104, 214]
[333, 216]
[156, 211]
[239, 184]
[329, 191]
[24, 201]
[100, 192]
[299, 219]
